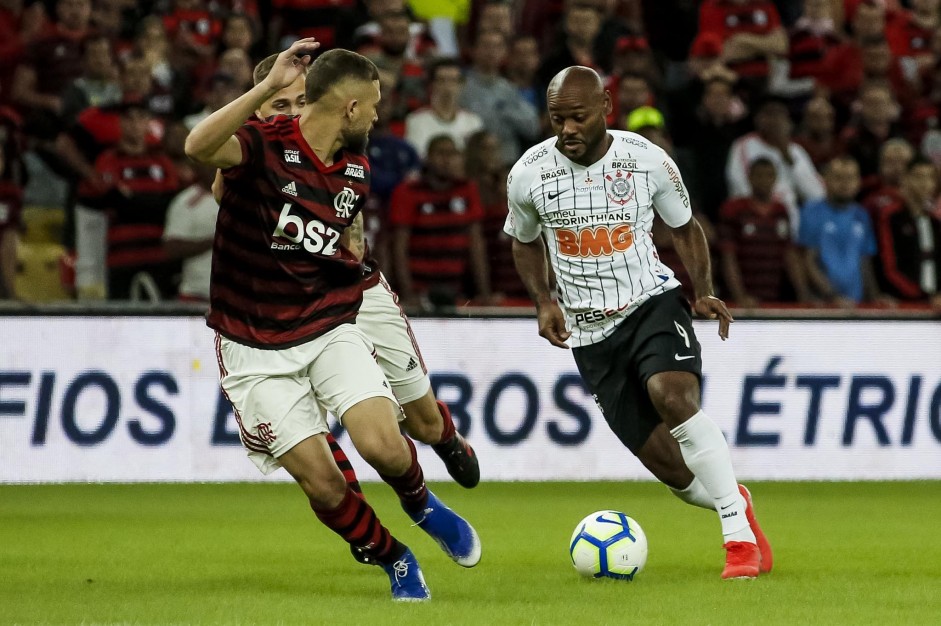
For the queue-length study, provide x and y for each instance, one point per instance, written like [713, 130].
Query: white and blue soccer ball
[608, 544]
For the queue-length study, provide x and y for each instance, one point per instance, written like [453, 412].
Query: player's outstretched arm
[531, 264]
[690, 243]
[212, 141]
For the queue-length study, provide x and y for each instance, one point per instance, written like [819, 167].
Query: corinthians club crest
[619, 188]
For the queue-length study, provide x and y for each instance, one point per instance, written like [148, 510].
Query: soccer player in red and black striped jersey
[285, 293]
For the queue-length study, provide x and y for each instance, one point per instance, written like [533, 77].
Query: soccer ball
[608, 544]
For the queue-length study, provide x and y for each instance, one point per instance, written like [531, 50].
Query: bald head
[578, 106]
[579, 79]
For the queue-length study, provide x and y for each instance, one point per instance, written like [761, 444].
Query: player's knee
[325, 492]
[391, 458]
[675, 402]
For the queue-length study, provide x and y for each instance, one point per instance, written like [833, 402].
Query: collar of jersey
[306, 149]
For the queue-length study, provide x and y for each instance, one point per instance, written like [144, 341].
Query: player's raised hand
[552, 325]
[711, 308]
[291, 63]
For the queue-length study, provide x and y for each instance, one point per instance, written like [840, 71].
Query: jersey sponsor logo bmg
[594, 242]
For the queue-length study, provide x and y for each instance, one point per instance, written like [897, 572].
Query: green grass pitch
[846, 553]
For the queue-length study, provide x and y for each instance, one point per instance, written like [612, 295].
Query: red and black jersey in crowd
[877, 196]
[311, 18]
[901, 253]
[57, 59]
[202, 26]
[136, 191]
[98, 128]
[504, 278]
[439, 221]
[759, 239]
[810, 52]
[279, 275]
[907, 38]
[726, 18]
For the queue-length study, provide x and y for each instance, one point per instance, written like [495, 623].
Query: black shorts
[657, 337]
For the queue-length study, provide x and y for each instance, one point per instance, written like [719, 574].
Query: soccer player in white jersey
[591, 194]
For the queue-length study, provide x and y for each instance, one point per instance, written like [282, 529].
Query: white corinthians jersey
[597, 224]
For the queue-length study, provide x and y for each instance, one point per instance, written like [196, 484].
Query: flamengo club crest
[619, 187]
[345, 202]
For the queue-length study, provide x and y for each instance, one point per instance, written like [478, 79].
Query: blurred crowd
[808, 134]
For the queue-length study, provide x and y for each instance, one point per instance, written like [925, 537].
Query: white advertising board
[137, 399]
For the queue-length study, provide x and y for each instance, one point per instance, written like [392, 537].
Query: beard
[356, 142]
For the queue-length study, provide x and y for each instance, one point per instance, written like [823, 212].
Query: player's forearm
[400, 262]
[353, 238]
[733, 276]
[690, 243]
[212, 133]
[479, 265]
[531, 265]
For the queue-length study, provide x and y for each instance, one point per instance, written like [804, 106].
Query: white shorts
[282, 397]
[386, 325]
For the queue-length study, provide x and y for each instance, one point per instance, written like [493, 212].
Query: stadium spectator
[137, 184]
[874, 124]
[838, 240]
[632, 55]
[812, 41]
[884, 189]
[11, 204]
[707, 135]
[20, 24]
[392, 54]
[442, 116]
[296, 19]
[750, 32]
[236, 63]
[513, 120]
[392, 160]
[188, 235]
[223, 89]
[482, 164]
[759, 261]
[399, 39]
[438, 240]
[239, 33]
[522, 69]
[51, 63]
[97, 86]
[797, 182]
[581, 25]
[910, 238]
[193, 28]
[167, 88]
[911, 34]
[817, 134]
[634, 91]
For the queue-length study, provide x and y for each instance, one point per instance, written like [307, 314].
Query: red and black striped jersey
[135, 190]
[726, 18]
[279, 274]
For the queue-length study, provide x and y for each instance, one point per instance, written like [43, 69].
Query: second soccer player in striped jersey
[588, 196]
[284, 295]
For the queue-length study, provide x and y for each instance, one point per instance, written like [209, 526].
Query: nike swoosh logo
[725, 507]
[683, 358]
[553, 196]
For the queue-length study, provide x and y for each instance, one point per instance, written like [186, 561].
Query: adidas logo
[290, 188]
[412, 364]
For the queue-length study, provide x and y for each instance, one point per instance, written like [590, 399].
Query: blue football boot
[452, 532]
[408, 583]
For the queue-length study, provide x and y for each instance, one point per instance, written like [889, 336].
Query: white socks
[695, 494]
[706, 453]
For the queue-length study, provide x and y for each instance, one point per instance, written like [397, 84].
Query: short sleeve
[522, 221]
[671, 198]
[251, 141]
